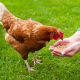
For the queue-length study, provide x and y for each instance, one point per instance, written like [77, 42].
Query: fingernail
[63, 53]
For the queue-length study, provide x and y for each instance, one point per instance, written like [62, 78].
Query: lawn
[64, 14]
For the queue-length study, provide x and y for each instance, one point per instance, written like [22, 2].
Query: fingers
[68, 52]
[57, 43]
[58, 54]
[51, 47]
[60, 42]
[65, 53]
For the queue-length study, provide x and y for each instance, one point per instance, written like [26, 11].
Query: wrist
[75, 37]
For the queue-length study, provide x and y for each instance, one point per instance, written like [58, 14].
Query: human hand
[71, 50]
[66, 42]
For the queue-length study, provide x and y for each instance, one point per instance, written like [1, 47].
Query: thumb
[67, 50]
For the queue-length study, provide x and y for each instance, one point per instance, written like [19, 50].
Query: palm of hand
[66, 42]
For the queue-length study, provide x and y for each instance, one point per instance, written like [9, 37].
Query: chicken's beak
[61, 38]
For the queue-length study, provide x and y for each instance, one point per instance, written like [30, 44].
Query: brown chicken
[26, 35]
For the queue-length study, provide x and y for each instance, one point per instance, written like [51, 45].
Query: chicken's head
[57, 35]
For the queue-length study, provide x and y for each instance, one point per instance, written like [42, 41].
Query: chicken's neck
[45, 32]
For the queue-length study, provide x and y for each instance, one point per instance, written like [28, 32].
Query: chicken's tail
[2, 9]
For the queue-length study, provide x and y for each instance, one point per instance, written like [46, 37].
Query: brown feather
[26, 35]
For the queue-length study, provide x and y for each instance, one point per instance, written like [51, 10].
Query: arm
[75, 37]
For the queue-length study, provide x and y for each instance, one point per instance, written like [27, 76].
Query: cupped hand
[71, 50]
[66, 42]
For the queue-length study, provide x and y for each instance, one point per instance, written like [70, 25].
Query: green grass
[64, 14]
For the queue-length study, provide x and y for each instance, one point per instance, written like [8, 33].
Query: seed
[61, 48]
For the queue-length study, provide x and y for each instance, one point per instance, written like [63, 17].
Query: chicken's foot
[29, 68]
[35, 60]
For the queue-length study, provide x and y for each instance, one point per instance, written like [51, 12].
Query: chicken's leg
[29, 68]
[35, 60]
